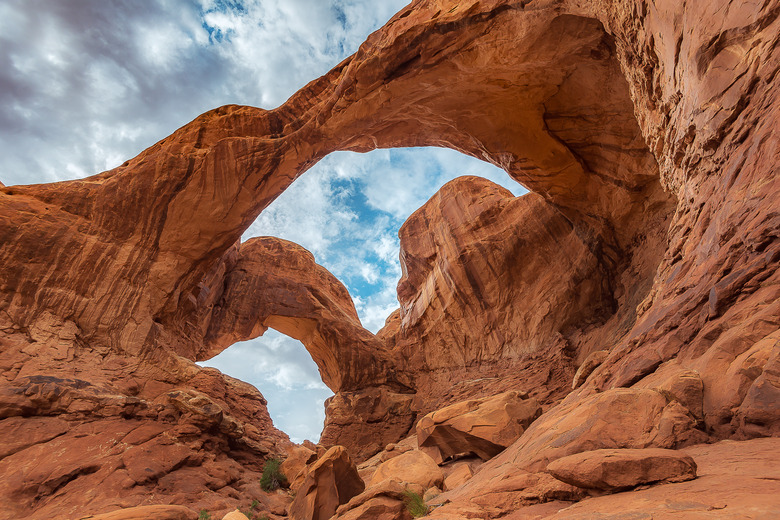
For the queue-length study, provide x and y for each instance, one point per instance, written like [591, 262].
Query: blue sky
[87, 84]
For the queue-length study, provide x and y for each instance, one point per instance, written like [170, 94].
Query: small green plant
[272, 476]
[415, 504]
[254, 505]
[204, 515]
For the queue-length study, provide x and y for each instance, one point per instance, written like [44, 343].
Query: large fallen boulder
[412, 467]
[484, 427]
[331, 481]
[382, 501]
[618, 418]
[294, 466]
[737, 480]
[614, 470]
[235, 515]
[149, 512]
[369, 467]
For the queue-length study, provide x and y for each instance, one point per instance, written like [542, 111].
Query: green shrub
[204, 515]
[254, 505]
[272, 477]
[415, 504]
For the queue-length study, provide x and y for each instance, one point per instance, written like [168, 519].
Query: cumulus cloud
[87, 84]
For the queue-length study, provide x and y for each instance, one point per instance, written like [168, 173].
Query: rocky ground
[607, 346]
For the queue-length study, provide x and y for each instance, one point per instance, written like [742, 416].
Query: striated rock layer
[646, 131]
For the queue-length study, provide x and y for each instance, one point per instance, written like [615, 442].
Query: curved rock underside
[646, 132]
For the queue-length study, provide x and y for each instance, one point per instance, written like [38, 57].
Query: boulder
[294, 466]
[394, 449]
[678, 384]
[383, 501]
[431, 493]
[737, 480]
[331, 481]
[459, 476]
[235, 515]
[149, 513]
[484, 427]
[379, 508]
[614, 470]
[412, 467]
[618, 418]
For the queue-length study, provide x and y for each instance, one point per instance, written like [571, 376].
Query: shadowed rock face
[645, 130]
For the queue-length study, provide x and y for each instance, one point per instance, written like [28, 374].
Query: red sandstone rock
[382, 501]
[458, 476]
[612, 470]
[484, 427]
[588, 366]
[508, 493]
[121, 433]
[619, 418]
[647, 129]
[386, 416]
[413, 467]
[276, 283]
[736, 480]
[331, 481]
[148, 513]
[369, 467]
[294, 466]
[378, 508]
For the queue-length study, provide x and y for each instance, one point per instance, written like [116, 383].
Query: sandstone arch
[193, 193]
[95, 275]
[270, 282]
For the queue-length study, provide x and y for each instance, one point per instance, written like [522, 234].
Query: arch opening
[354, 206]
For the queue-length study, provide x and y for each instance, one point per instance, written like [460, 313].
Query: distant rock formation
[647, 134]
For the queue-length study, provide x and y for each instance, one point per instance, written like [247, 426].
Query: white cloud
[286, 375]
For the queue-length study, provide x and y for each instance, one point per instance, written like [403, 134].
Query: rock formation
[647, 132]
[611, 470]
[331, 481]
[483, 427]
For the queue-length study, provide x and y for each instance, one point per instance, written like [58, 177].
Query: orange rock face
[330, 482]
[610, 470]
[412, 467]
[647, 132]
[483, 427]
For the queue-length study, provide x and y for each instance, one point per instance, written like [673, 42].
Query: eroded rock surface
[148, 512]
[736, 480]
[611, 470]
[330, 482]
[483, 427]
[647, 132]
[412, 467]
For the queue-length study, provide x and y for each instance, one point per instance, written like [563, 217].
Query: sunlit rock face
[646, 132]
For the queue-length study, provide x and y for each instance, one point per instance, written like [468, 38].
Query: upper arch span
[535, 91]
